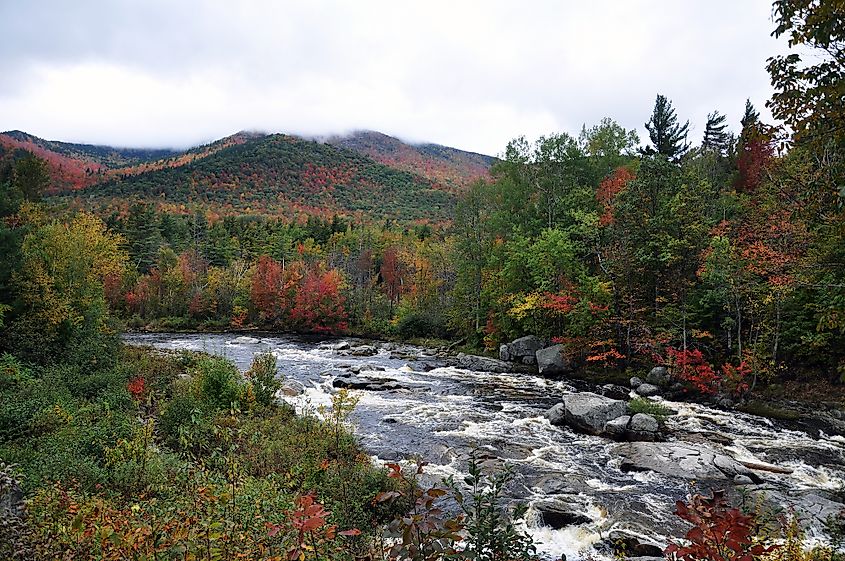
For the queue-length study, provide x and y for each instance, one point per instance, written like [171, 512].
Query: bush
[262, 374]
[217, 382]
[643, 405]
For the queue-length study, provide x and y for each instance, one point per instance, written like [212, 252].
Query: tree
[810, 98]
[715, 137]
[750, 117]
[668, 137]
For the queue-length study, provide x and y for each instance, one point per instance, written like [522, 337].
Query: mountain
[452, 168]
[280, 175]
[366, 174]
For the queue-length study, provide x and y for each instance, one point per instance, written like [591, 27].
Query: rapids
[439, 415]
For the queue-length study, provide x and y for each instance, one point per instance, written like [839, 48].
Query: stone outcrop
[586, 412]
[522, 350]
[681, 460]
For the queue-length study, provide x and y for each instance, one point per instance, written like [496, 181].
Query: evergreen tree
[751, 116]
[715, 136]
[668, 137]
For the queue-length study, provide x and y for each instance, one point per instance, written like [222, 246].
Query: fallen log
[760, 466]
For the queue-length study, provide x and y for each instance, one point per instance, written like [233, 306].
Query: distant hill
[366, 174]
[281, 175]
[452, 168]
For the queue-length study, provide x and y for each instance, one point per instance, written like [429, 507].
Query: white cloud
[467, 74]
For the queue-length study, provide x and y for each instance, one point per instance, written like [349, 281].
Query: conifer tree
[668, 137]
[715, 136]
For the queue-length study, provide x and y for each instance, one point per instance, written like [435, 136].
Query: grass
[656, 410]
[769, 411]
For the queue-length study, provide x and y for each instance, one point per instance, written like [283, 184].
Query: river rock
[647, 390]
[550, 361]
[524, 346]
[635, 382]
[643, 422]
[363, 350]
[556, 415]
[659, 376]
[614, 392]
[742, 480]
[559, 517]
[367, 384]
[485, 364]
[504, 352]
[628, 547]
[292, 388]
[682, 460]
[589, 412]
[342, 346]
[618, 427]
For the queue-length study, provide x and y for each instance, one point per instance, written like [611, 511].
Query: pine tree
[668, 137]
[715, 137]
[751, 116]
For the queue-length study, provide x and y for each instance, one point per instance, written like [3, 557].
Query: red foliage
[608, 189]
[719, 532]
[559, 303]
[391, 274]
[318, 304]
[735, 378]
[266, 291]
[755, 155]
[137, 387]
[690, 366]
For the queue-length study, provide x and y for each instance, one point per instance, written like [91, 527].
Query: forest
[721, 257]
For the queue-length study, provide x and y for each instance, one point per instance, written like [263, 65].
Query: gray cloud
[467, 74]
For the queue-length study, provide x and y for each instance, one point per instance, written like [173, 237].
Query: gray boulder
[550, 361]
[681, 460]
[643, 427]
[635, 382]
[292, 388]
[525, 346]
[486, 364]
[504, 352]
[659, 376]
[618, 427]
[589, 412]
[615, 392]
[647, 390]
[556, 415]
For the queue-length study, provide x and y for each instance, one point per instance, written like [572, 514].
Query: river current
[439, 413]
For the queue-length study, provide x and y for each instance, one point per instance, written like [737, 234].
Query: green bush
[262, 374]
[656, 410]
[217, 382]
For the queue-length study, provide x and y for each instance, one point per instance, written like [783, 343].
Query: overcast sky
[466, 74]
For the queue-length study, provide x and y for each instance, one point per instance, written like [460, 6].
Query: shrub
[649, 407]
[262, 375]
[217, 382]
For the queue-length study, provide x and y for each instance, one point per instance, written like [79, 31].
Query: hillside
[277, 174]
[453, 169]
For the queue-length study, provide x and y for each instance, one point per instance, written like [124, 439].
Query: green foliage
[649, 407]
[217, 383]
[263, 375]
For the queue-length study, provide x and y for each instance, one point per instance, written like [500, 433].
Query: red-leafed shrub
[137, 388]
[719, 532]
[689, 366]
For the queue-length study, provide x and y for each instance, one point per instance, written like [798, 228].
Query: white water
[447, 411]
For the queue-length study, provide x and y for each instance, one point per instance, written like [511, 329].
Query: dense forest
[722, 257]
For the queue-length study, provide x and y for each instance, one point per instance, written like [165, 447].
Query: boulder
[659, 376]
[627, 546]
[643, 427]
[525, 346]
[589, 412]
[681, 460]
[614, 392]
[363, 350]
[550, 361]
[504, 352]
[292, 388]
[529, 360]
[742, 480]
[556, 415]
[647, 390]
[618, 427]
[635, 382]
[558, 517]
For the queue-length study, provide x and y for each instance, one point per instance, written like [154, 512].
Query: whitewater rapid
[440, 413]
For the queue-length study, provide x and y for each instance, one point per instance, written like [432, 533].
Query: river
[439, 412]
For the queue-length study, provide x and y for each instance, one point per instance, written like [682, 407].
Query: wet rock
[389, 420]
[529, 360]
[486, 364]
[556, 415]
[681, 460]
[627, 546]
[647, 390]
[554, 516]
[725, 402]
[811, 507]
[292, 388]
[551, 362]
[342, 346]
[504, 352]
[614, 392]
[659, 376]
[618, 427]
[642, 422]
[368, 384]
[363, 350]
[742, 480]
[589, 412]
[635, 382]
